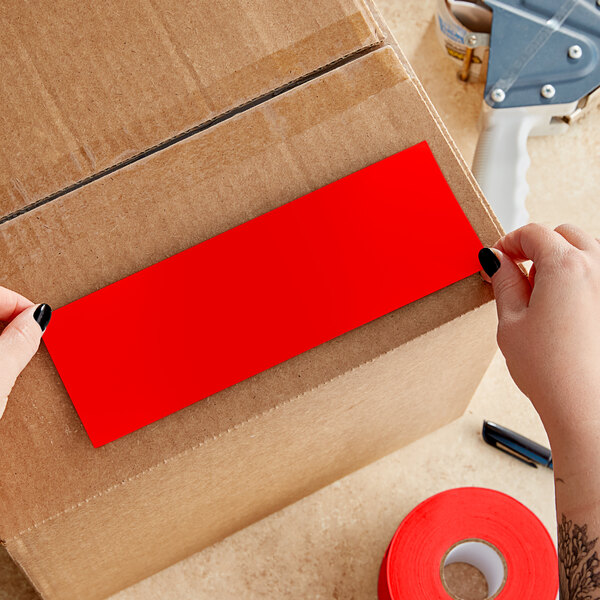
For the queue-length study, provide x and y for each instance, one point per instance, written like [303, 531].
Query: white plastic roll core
[482, 555]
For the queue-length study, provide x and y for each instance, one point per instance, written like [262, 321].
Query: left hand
[20, 339]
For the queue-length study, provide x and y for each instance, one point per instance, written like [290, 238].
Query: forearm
[576, 456]
[549, 333]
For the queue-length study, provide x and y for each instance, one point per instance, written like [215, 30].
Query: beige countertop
[330, 544]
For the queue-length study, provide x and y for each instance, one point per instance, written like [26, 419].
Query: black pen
[516, 445]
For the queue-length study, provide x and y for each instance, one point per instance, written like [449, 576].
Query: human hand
[20, 339]
[549, 322]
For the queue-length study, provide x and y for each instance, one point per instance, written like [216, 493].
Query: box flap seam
[253, 102]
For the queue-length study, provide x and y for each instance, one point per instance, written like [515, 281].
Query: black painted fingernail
[489, 261]
[42, 316]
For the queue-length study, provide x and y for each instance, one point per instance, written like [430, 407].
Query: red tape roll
[525, 554]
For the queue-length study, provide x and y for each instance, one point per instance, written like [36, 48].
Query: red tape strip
[261, 293]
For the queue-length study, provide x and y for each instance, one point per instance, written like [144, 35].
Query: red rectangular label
[261, 293]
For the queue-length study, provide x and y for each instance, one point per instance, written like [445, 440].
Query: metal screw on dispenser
[498, 95]
[575, 52]
[548, 91]
[472, 40]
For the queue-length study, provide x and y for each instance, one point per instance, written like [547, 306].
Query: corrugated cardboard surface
[86, 86]
[319, 436]
[274, 153]
[56, 490]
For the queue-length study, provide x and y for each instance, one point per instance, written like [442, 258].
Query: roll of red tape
[485, 528]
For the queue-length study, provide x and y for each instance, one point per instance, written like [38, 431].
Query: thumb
[511, 286]
[18, 343]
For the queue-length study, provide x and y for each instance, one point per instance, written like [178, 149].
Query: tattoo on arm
[578, 563]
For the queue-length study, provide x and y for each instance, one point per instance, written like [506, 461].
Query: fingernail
[489, 261]
[42, 316]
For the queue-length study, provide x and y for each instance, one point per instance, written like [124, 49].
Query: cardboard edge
[381, 29]
[393, 43]
[23, 570]
[231, 429]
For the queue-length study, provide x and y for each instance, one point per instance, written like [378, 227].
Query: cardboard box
[85, 522]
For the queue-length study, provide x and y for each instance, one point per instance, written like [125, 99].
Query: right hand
[20, 339]
[549, 322]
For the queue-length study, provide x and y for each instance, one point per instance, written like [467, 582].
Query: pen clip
[514, 454]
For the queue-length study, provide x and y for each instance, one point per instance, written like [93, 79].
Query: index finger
[532, 242]
[11, 304]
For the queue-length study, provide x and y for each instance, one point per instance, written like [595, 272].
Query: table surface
[330, 544]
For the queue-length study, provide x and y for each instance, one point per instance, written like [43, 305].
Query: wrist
[569, 416]
[574, 446]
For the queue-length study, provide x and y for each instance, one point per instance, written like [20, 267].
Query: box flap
[84, 87]
[299, 141]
